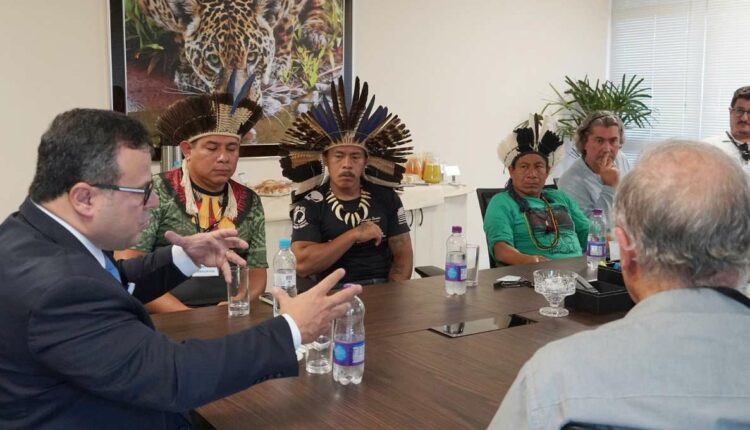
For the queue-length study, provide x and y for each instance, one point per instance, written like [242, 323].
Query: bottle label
[349, 353]
[284, 280]
[455, 272]
[596, 249]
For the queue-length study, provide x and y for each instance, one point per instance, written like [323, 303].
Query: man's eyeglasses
[739, 113]
[146, 191]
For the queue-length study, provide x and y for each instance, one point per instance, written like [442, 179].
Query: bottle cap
[456, 229]
[598, 211]
[285, 243]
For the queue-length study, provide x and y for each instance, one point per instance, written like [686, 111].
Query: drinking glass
[554, 285]
[318, 358]
[472, 265]
[238, 292]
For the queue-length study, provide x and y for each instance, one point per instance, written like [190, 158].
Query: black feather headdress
[194, 117]
[343, 122]
[538, 135]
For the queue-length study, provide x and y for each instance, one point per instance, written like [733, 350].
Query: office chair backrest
[485, 195]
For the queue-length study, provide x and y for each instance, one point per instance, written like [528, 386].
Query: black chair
[484, 195]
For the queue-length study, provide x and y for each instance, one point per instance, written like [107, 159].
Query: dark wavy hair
[741, 93]
[81, 146]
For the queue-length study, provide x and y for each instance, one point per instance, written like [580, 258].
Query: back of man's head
[686, 209]
[81, 146]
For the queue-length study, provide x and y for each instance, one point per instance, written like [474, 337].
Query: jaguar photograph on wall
[293, 49]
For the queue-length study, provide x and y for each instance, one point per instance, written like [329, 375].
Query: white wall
[56, 57]
[460, 74]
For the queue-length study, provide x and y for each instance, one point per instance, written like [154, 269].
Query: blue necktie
[109, 266]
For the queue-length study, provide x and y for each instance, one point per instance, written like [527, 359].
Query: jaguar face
[227, 39]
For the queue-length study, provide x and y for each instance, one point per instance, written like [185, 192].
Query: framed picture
[165, 50]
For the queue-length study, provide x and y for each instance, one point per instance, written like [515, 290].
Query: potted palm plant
[627, 100]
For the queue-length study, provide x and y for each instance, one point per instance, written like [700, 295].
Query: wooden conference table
[414, 377]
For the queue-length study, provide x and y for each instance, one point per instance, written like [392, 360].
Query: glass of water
[318, 355]
[472, 265]
[554, 285]
[238, 292]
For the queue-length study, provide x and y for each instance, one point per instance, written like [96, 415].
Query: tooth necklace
[350, 218]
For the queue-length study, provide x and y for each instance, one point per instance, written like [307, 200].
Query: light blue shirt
[586, 187]
[680, 359]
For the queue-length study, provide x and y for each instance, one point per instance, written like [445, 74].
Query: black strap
[734, 294]
[742, 147]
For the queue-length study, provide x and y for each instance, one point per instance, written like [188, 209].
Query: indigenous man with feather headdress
[353, 219]
[201, 196]
[528, 223]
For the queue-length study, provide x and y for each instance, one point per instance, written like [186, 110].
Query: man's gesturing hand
[212, 249]
[313, 311]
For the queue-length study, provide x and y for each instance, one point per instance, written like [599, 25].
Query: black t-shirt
[320, 217]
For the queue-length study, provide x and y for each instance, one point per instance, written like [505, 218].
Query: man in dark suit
[77, 348]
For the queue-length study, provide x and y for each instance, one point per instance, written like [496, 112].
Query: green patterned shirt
[171, 215]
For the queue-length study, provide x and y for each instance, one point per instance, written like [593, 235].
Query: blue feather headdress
[343, 122]
[228, 114]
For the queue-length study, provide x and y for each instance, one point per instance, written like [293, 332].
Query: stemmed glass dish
[554, 285]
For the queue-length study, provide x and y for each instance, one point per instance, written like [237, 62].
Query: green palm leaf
[627, 100]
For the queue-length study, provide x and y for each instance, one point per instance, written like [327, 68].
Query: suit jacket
[78, 351]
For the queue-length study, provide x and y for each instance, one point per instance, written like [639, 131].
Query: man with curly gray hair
[592, 179]
[680, 358]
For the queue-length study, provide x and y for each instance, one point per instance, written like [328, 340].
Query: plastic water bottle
[284, 272]
[349, 344]
[596, 247]
[455, 262]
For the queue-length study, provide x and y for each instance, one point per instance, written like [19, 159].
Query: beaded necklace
[525, 210]
[547, 227]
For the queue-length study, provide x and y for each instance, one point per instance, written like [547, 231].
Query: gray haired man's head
[599, 118]
[686, 209]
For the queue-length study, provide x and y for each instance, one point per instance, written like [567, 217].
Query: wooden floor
[414, 378]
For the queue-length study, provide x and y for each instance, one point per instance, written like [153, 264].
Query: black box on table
[606, 294]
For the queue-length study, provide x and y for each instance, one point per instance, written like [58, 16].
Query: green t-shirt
[504, 222]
